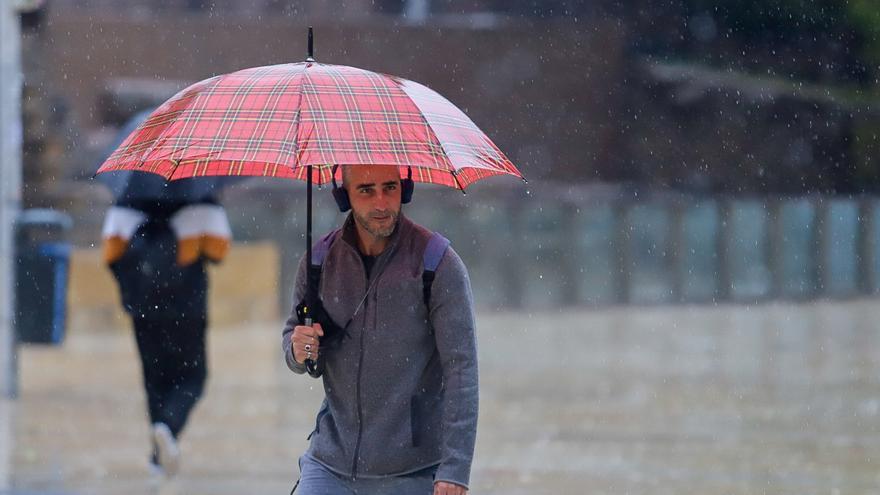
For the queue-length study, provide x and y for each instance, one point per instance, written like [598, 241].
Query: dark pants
[174, 366]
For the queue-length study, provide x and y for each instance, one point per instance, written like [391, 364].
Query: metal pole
[723, 277]
[821, 244]
[10, 185]
[624, 260]
[678, 259]
[10, 201]
[775, 246]
[867, 250]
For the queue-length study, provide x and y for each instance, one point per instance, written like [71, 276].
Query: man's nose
[383, 200]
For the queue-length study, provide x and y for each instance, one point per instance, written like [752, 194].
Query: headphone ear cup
[341, 197]
[407, 186]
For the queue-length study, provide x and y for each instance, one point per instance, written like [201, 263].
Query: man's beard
[364, 222]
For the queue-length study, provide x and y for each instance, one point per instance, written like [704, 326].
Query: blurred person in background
[157, 252]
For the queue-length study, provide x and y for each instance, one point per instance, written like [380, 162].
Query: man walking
[401, 390]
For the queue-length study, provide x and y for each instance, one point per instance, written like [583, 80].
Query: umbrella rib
[186, 101]
[297, 123]
[458, 182]
[444, 154]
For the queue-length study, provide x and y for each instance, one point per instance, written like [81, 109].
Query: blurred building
[641, 92]
[642, 126]
[531, 77]
[335, 8]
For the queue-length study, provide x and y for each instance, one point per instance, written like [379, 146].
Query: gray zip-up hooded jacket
[401, 390]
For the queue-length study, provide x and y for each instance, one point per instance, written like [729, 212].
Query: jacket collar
[403, 227]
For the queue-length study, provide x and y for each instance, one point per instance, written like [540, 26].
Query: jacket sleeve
[287, 334]
[452, 317]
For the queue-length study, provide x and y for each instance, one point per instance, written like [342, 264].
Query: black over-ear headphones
[341, 195]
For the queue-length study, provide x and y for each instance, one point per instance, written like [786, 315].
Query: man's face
[374, 191]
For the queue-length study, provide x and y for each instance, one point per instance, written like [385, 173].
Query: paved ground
[781, 399]
[5, 443]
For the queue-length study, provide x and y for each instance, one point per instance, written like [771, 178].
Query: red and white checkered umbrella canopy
[276, 120]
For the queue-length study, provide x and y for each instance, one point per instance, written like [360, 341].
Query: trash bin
[43, 260]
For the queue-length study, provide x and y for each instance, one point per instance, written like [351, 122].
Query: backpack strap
[319, 252]
[434, 252]
[322, 247]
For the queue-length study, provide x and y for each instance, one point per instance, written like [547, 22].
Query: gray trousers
[315, 479]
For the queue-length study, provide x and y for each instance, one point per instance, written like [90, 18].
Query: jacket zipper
[360, 413]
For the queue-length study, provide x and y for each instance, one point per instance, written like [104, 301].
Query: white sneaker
[167, 452]
[157, 474]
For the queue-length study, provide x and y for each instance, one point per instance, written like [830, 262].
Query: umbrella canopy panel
[131, 187]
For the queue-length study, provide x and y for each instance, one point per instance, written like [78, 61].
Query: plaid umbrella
[299, 120]
[278, 120]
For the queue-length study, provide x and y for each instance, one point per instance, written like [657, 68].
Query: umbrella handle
[311, 365]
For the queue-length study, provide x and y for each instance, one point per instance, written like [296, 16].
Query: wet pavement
[5, 442]
[781, 399]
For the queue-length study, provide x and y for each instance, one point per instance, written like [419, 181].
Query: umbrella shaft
[309, 296]
[311, 366]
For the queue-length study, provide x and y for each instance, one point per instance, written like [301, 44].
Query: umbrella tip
[525, 180]
[311, 57]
